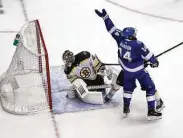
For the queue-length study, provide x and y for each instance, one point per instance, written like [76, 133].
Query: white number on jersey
[127, 54]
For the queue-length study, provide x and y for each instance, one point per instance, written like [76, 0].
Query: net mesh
[25, 86]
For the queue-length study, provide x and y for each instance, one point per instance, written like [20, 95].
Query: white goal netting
[25, 86]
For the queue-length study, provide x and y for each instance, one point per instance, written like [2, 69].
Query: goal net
[25, 86]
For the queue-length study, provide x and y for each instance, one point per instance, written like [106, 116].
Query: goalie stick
[89, 87]
[115, 64]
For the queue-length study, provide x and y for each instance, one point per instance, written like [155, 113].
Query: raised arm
[116, 33]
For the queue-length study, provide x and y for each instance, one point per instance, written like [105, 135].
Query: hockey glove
[154, 65]
[102, 14]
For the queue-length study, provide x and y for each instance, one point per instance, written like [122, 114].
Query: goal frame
[36, 70]
[47, 63]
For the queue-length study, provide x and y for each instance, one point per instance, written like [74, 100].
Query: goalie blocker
[84, 69]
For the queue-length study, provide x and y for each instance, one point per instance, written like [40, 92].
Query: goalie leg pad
[114, 89]
[92, 97]
[80, 87]
[114, 84]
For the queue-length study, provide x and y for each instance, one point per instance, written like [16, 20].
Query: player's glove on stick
[154, 65]
[102, 14]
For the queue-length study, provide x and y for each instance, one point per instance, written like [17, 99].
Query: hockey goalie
[85, 70]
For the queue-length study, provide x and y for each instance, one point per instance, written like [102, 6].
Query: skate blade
[154, 118]
[160, 109]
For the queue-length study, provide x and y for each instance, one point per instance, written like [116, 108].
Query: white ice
[72, 24]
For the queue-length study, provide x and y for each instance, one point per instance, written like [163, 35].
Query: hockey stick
[115, 64]
[169, 49]
[89, 87]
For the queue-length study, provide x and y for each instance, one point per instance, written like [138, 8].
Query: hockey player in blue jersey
[131, 56]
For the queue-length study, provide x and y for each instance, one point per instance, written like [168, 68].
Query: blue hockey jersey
[131, 53]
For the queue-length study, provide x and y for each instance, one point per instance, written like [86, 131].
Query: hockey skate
[126, 111]
[153, 115]
[160, 106]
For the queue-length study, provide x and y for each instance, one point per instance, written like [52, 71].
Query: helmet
[68, 58]
[129, 32]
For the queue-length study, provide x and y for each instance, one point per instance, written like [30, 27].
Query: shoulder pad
[139, 42]
[86, 53]
[81, 56]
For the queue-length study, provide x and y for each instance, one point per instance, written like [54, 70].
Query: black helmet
[68, 58]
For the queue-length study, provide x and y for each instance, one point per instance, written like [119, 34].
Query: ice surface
[73, 25]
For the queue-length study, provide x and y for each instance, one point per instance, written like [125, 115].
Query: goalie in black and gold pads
[85, 69]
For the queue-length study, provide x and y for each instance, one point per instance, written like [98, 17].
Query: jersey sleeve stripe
[112, 30]
[105, 17]
[148, 56]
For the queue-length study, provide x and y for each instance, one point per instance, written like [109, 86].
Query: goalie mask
[68, 58]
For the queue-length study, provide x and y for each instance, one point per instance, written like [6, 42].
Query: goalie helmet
[129, 32]
[68, 58]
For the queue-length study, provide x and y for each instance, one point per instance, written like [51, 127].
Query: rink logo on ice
[1, 7]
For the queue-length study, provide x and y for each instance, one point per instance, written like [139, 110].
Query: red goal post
[25, 87]
[47, 65]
